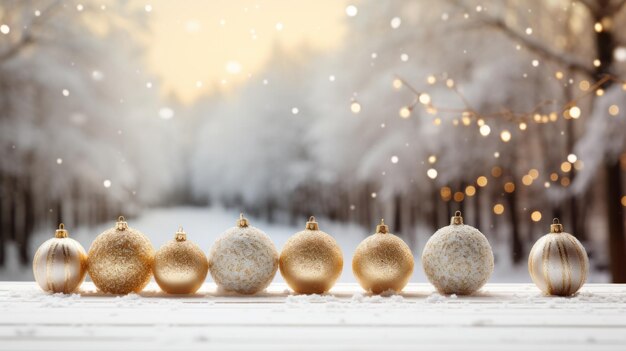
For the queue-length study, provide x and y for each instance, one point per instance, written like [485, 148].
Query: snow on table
[499, 317]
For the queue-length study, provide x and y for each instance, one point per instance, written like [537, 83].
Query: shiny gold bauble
[121, 259]
[311, 260]
[382, 262]
[180, 266]
[558, 262]
[457, 259]
[60, 263]
[243, 259]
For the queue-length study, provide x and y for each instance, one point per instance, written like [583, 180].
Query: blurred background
[186, 113]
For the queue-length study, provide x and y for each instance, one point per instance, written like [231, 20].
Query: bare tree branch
[531, 44]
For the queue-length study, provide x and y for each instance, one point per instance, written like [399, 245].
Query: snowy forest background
[512, 111]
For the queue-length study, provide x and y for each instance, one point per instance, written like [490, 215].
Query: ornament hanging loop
[121, 223]
[312, 224]
[382, 228]
[180, 234]
[61, 232]
[457, 219]
[242, 222]
[556, 226]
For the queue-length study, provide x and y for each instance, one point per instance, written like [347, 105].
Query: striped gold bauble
[60, 263]
[558, 262]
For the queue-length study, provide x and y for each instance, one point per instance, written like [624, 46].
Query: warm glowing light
[496, 171]
[578, 165]
[351, 10]
[596, 63]
[584, 85]
[466, 120]
[553, 117]
[394, 159]
[533, 173]
[374, 195]
[106, 183]
[449, 83]
[424, 99]
[432, 159]
[5, 29]
[574, 112]
[437, 121]
[613, 110]
[527, 180]
[566, 167]
[498, 209]
[554, 177]
[624, 200]
[446, 193]
[571, 158]
[523, 126]
[431, 80]
[405, 112]
[565, 181]
[598, 27]
[505, 135]
[355, 107]
[470, 190]
[599, 92]
[397, 83]
[233, 67]
[459, 196]
[431, 173]
[559, 75]
[485, 130]
[481, 181]
[535, 216]
[480, 122]
[509, 187]
[546, 185]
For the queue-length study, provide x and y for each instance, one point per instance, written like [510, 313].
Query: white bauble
[243, 259]
[458, 259]
[558, 262]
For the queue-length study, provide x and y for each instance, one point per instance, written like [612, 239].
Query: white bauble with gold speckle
[243, 259]
[60, 263]
[558, 262]
[458, 259]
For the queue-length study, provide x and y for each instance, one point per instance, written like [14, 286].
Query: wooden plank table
[500, 317]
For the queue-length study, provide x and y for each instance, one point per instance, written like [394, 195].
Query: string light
[498, 209]
[482, 181]
[535, 216]
[505, 135]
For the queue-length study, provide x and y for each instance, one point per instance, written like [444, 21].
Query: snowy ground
[203, 225]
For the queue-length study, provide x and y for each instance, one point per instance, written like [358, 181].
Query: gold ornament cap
[556, 226]
[382, 228]
[242, 222]
[61, 232]
[180, 235]
[311, 224]
[457, 219]
[121, 223]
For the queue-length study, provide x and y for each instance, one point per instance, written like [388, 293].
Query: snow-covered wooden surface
[499, 317]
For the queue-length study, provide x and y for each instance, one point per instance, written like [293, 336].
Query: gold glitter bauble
[120, 260]
[243, 259]
[382, 262]
[311, 260]
[180, 266]
[60, 263]
[558, 262]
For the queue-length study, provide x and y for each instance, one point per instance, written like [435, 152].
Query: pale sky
[196, 45]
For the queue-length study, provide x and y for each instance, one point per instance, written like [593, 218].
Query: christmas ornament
[243, 259]
[121, 259]
[457, 259]
[311, 260]
[382, 262]
[558, 262]
[180, 266]
[60, 263]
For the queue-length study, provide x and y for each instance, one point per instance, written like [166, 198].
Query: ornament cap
[242, 222]
[382, 228]
[61, 232]
[180, 234]
[311, 224]
[556, 226]
[457, 219]
[121, 223]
